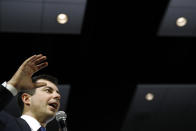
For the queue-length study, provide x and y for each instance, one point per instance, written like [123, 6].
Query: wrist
[12, 83]
[11, 88]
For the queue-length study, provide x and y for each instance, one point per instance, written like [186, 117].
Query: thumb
[39, 84]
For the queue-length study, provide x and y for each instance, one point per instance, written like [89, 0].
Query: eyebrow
[52, 89]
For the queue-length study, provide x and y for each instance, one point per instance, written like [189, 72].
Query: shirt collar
[32, 122]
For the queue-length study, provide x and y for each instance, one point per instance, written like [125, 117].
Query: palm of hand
[22, 78]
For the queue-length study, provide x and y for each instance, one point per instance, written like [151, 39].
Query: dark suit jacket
[8, 122]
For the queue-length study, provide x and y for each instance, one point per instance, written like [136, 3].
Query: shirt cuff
[11, 88]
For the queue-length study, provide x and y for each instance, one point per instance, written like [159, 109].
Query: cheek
[38, 101]
[35, 102]
[41, 99]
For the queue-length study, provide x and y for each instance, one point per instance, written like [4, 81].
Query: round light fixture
[149, 96]
[181, 22]
[62, 18]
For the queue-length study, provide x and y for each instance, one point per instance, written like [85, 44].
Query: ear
[26, 98]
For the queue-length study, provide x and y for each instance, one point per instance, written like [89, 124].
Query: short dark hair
[32, 91]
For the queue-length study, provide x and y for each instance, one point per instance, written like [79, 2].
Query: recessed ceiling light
[62, 18]
[181, 21]
[149, 96]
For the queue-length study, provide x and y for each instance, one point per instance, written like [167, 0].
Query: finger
[37, 57]
[30, 59]
[41, 59]
[42, 65]
[39, 84]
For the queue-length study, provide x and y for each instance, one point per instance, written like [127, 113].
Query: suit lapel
[23, 124]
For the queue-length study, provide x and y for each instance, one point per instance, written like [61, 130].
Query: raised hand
[22, 80]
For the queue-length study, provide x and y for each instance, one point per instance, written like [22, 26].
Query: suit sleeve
[5, 97]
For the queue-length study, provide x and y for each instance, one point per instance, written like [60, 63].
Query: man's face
[46, 100]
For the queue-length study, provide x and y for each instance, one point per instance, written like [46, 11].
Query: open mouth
[53, 105]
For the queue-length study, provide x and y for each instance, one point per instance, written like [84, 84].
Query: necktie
[42, 129]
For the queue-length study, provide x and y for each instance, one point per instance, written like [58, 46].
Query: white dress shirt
[32, 122]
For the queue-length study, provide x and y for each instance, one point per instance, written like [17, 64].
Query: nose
[57, 96]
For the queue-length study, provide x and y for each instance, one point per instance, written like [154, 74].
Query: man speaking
[38, 97]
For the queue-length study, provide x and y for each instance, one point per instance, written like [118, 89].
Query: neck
[41, 120]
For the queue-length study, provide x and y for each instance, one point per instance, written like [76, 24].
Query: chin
[50, 119]
[51, 113]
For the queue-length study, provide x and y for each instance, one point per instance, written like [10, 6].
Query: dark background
[117, 49]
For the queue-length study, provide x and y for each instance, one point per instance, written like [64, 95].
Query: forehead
[48, 83]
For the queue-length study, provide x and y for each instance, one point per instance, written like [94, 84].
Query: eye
[48, 91]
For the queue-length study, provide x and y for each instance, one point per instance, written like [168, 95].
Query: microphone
[61, 119]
